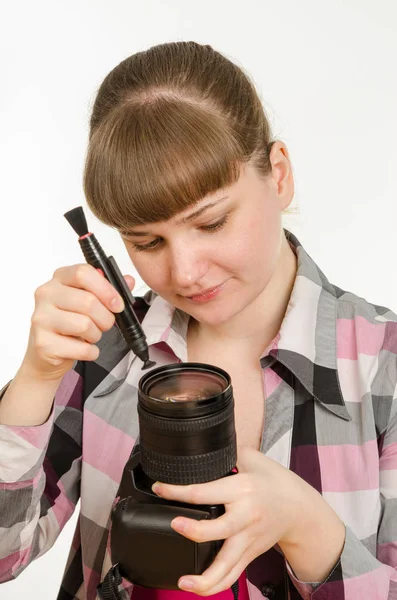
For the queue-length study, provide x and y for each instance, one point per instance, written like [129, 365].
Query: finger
[64, 347]
[74, 324]
[223, 569]
[220, 491]
[84, 303]
[230, 578]
[130, 281]
[216, 529]
[84, 276]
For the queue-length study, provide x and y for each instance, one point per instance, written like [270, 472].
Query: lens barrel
[186, 423]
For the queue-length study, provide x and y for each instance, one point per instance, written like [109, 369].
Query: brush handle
[122, 282]
[127, 321]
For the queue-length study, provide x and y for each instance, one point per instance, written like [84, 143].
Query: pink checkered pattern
[330, 382]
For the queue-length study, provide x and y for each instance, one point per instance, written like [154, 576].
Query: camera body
[186, 436]
[144, 545]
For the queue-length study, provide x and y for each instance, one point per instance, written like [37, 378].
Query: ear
[282, 175]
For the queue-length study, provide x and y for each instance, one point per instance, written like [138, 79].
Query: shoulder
[373, 326]
[366, 335]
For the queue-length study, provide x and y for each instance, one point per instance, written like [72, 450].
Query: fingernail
[178, 524]
[186, 584]
[156, 488]
[117, 304]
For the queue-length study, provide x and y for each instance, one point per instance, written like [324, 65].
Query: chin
[214, 316]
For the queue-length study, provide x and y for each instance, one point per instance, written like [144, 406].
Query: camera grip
[149, 552]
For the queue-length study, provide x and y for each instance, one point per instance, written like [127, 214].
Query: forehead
[247, 177]
[183, 217]
[239, 190]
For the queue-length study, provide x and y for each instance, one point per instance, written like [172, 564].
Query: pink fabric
[140, 593]
[359, 472]
[98, 455]
[358, 336]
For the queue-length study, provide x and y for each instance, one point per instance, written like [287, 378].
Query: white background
[326, 72]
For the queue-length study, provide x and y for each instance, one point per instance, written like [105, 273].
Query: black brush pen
[127, 321]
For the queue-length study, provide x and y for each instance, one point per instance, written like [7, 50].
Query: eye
[215, 226]
[154, 244]
[150, 246]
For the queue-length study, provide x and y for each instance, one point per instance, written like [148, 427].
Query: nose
[188, 266]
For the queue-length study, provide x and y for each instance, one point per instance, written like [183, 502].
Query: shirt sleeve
[359, 574]
[40, 469]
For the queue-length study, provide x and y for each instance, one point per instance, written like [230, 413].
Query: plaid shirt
[331, 398]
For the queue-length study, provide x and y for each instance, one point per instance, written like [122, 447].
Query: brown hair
[170, 125]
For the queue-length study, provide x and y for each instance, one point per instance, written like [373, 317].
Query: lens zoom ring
[189, 469]
[194, 425]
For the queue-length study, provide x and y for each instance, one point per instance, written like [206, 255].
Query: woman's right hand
[72, 311]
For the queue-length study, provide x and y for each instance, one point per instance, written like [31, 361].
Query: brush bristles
[76, 218]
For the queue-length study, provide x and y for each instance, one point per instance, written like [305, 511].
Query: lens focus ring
[188, 469]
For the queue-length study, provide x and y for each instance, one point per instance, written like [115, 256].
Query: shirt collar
[307, 340]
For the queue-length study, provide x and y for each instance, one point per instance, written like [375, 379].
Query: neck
[259, 322]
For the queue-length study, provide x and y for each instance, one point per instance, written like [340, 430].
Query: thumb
[246, 459]
[130, 281]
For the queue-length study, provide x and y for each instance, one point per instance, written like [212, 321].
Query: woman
[181, 162]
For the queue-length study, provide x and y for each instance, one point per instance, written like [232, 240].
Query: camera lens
[186, 423]
[187, 385]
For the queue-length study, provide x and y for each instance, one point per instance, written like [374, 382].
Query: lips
[207, 295]
[205, 291]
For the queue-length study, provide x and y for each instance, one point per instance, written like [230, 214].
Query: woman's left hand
[265, 504]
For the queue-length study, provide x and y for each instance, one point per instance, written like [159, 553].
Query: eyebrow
[186, 219]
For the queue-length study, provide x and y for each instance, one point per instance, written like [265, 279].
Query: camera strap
[108, 589]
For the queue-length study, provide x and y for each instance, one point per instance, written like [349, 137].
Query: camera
[186, 435]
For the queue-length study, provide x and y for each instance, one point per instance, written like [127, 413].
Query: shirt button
[268, 590]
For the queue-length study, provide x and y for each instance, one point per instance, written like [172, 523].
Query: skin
[249, 253]
[265, 503]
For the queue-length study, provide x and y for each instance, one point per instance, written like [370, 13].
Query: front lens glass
[187, 385]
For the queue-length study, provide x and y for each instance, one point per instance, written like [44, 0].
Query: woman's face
[234, 242]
